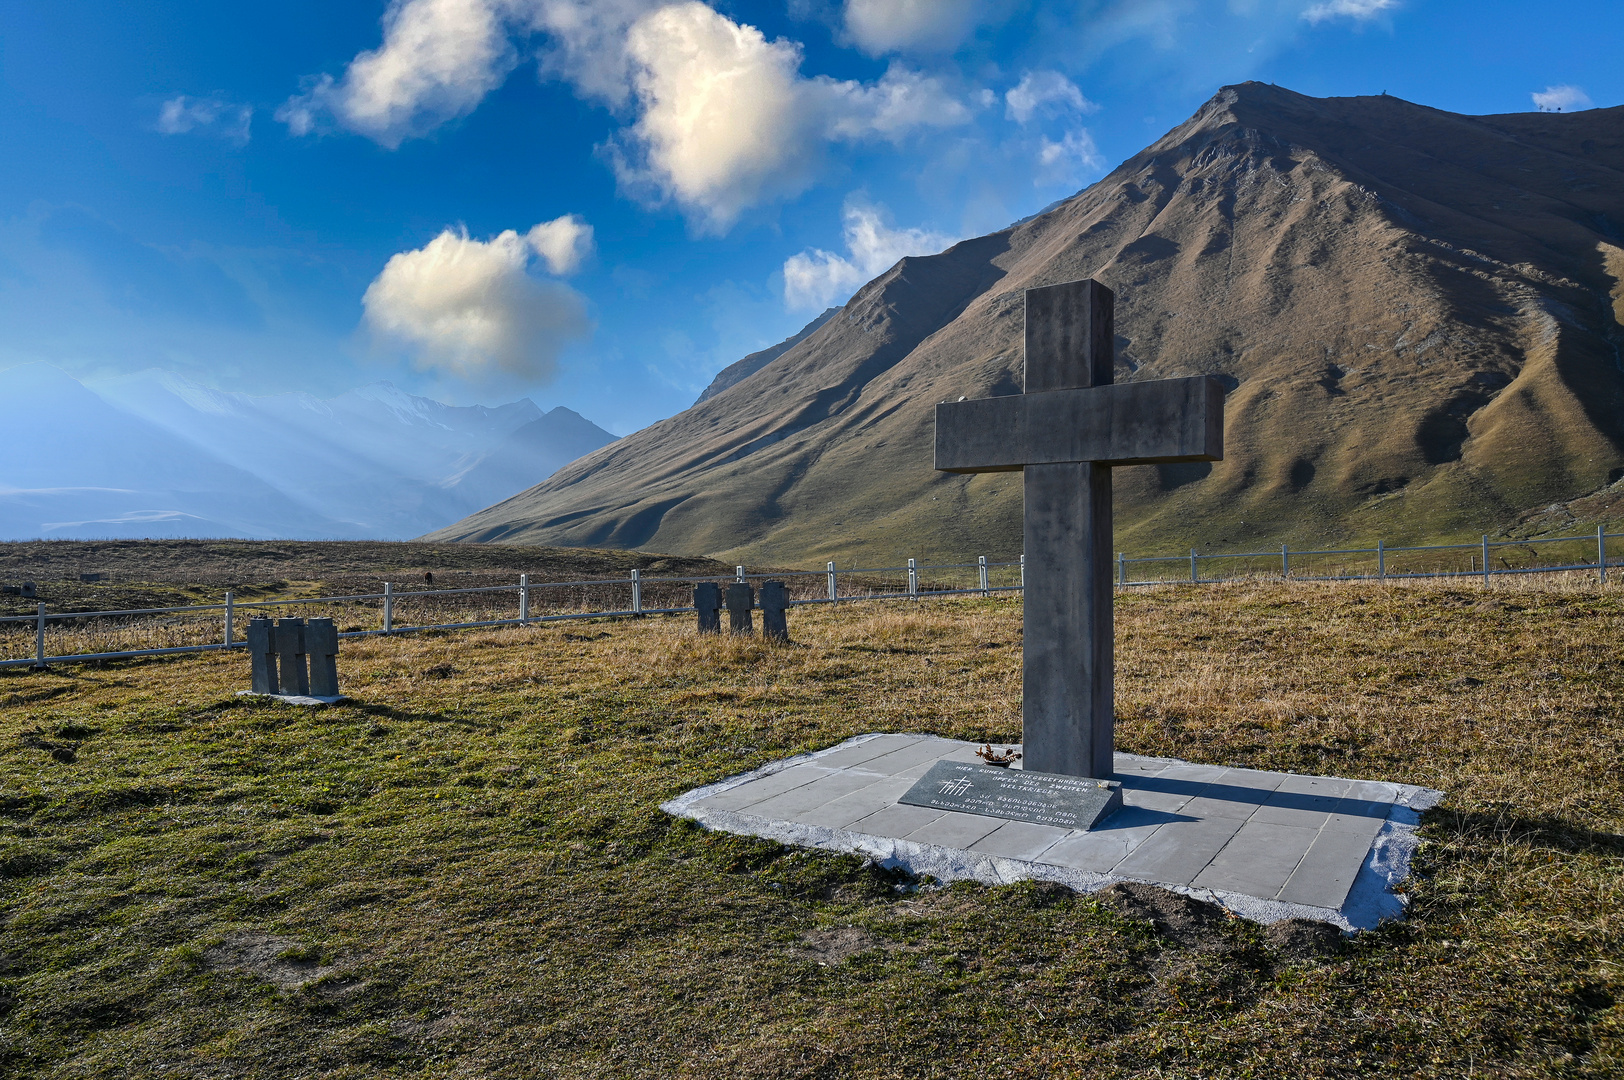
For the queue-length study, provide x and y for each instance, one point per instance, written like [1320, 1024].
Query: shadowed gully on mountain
[1416, 313]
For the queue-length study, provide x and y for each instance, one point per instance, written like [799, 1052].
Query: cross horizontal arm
[1117, 424]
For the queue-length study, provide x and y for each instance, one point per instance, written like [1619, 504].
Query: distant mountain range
[153, 455]
[1418, 315]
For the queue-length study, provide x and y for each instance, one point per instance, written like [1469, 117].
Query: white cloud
[727, 121]
[1358, 10]
[816, 279]
[1562, 99]
[724, 119]
[183, 114]
[882, 26]
[1045, 91]
[1068, 162]
[564, 243]
[468, 307]
[438, 60]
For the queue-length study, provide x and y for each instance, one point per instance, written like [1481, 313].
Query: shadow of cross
[1065, 432]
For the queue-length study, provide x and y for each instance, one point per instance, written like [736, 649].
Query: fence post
[1285, 561]
[1601, 552]
[1023, 571]
[1485, 560]
[981, 568]
[1381, 560]
[637, 592]
[1122, 570]
[388, 608]
[39, 640]
[913, 579]
[229, 613]
[738, 573]
[1193, 576]
[524, 599]
[833, 595]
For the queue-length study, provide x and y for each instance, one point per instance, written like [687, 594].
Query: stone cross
[262, 655]
[321, 645]
[708, 604]
[774, 604]
[1066, 431]
[740, 599]
[292, 675]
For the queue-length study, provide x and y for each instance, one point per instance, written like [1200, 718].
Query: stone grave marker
[740, 599]
[321, 646]
[1064, 801]
[292, 675]
[708, 604]
[774, 605]
[262, 655]
[1066, 431]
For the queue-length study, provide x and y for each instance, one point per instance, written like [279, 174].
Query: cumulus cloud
[1562, 99]
[438, 60]
[1045, 91]
[816, 279]
[883, 26]
[183, 114]
[1358, 10]
[469, 307]
[724, 119]
[727, 120]
[563, 243]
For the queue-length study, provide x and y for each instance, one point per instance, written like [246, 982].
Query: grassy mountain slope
[1418, 313]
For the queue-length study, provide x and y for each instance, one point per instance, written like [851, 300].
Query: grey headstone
[292, 675]
[262, 655]
[1067, 802]
[740, 599]
[321, 645]
[774, 603]
[708, 603]
[1066, 431]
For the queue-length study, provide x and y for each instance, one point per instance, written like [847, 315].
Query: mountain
[189, 460]
[1417, 314]
[742, 369]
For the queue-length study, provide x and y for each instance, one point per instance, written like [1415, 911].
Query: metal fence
[46, 637]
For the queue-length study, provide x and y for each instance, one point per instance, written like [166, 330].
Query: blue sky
[600, 203]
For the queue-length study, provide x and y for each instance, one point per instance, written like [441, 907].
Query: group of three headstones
[294, 656]
[739, 598]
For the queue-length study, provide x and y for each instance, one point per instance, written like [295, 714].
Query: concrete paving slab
[1020, 840]
[1267, 845]
[760, 790]
[1257, 860]
[954, 830]
[1332, 863]
[856, 805]
[896, 820]
[1178, 857]
[820, 792]
[867, 751]
[1103, 848]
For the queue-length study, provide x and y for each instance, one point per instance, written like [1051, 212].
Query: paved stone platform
[1266, 845]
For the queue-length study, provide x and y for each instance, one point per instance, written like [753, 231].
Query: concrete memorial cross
[293, 677]
[1066, 431]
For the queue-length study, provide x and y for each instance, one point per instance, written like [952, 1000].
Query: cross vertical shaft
[1067, 659]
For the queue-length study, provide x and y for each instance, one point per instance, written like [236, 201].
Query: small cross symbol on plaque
[1065, 432]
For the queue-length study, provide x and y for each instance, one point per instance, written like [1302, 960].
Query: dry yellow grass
[464, 872]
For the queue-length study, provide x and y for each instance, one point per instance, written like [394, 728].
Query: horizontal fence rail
[44, 637]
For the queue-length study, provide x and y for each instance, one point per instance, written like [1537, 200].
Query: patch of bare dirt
[836, 943]
[1304, 939]
[277, 960]
[1182, 919]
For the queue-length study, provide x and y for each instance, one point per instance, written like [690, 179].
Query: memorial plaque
[1067, 802]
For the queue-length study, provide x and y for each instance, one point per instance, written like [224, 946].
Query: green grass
[465, 873]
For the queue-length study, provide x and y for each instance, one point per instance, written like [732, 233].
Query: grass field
[464, 872]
